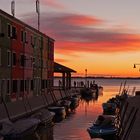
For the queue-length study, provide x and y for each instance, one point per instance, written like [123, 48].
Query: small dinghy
[65, 103]
[105, 120]
[103, 127]
[60, 113]
[74, 102]
[109, 108]
[1, 138]
[99, 132]
[87, 92]
[18, 129]
[44, 116]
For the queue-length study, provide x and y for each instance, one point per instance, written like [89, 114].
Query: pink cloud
[53, 3]
[60, 60]
[72, 34]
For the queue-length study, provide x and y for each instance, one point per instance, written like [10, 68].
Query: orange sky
[90, 42]
[118, 64]
[92, 35]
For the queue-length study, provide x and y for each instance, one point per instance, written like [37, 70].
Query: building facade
[26, 59]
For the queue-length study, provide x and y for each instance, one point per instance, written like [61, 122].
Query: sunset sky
[102, 36]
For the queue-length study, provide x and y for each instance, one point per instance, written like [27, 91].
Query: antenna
[13, 8]
[38, 12]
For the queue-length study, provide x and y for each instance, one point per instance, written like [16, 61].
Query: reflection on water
[74, 127]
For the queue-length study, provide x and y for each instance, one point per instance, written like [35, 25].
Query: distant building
[26, 59]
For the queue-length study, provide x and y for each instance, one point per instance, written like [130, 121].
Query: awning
[58, 68]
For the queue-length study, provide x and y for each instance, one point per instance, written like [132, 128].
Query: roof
[58, 68]
[23, 23]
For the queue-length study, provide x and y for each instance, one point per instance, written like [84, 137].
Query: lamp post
[86, 77]
[135, 65]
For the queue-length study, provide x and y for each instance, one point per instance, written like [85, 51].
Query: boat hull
[105, 133]
[60, 113]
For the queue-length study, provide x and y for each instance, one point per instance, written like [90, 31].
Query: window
[14, 86]
[14, 59]
[31, 59]
[14, 36]
[8, 86]
[32, 85]
[25, 37]
[8, 58]
[0, 25]
[25, 83]
[33, 62]
[35, 41]
[39, 43]
[22, 85]
[39, 63]
[31, 39]
[43, 84]
[22, 60]
[46, 83]
[22, 36]
[9, 30]
[0, 57]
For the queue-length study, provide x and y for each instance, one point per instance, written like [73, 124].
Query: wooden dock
[132, 126]
[27, 106]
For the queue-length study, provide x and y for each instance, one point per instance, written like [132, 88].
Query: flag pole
[13, 8]
[39, 20]
[38, 13]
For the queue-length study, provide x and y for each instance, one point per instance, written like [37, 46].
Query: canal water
[74, 127]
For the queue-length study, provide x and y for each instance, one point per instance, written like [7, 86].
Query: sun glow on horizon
[102, 64]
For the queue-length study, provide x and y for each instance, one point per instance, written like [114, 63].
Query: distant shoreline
[101, 77]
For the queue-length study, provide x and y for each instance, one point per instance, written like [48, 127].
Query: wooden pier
[132, 126]
[27, 106]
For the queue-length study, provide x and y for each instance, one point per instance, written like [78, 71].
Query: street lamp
[86, 77]
[135, 66]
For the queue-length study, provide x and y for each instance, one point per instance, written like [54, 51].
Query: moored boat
[44, 116]
[60, 112]
[1, 138]
[109, 108]
[100, 132]
[66, 104]
[18, 129]
[87, 92]
[103, 127]
[74, 102]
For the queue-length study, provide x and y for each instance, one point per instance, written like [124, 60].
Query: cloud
[60, 60]
[81, 33]
[53, 3]
[50, 3]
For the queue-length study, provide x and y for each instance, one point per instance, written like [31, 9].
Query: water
[74, 127]
[110, 85]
